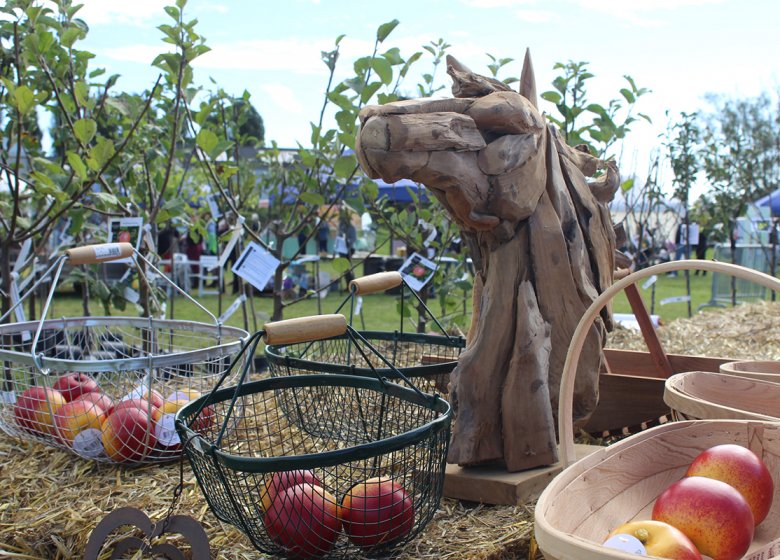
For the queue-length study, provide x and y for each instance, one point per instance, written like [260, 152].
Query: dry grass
[50, 500]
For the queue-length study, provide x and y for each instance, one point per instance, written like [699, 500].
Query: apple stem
[642, 535]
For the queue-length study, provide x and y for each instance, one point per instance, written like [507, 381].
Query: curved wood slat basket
[766, 370]
[619, 483]
[706, 395]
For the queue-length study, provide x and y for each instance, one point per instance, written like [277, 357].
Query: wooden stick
[374, 283]
[648, 331]
[104, 252]
[302, 329]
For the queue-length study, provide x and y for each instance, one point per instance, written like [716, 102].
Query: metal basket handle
[565, 400]
[304, 329]
[374, 283]
[99, 253]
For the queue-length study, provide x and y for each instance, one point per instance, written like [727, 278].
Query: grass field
[380, 312]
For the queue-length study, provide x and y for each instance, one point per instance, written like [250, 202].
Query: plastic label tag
[131, 295]
[177, 396]
[88, 443]
[8, 397]
[107, 251]
[165, 430]
[626, 543]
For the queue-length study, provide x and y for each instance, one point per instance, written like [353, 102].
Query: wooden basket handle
[104, 252]
[374, 283]
[566, 398]
[303, 329]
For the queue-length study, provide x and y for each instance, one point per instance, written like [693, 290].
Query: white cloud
[496, 3]
[143, 54]
[135, 12]
[536, 16]
[284, 97]
[641, 12]
[289, 55]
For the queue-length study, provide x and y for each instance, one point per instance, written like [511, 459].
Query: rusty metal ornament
[184, 525]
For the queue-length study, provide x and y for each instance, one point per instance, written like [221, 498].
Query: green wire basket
[319, 465]
[429, 358]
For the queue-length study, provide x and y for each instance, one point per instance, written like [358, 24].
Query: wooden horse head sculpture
[540, 236]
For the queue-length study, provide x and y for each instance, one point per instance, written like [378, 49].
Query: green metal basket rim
[275, 357]
[328, 458]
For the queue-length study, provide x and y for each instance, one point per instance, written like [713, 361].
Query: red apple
[73, 385]
[136, 402]
[711, 513]
[304, 520]
[35, 407]
[75, 417]
[282, 480]
[124, 236]
[377, 512]
[659, 539]
[97, 399]
[128, 434]
[743, 469]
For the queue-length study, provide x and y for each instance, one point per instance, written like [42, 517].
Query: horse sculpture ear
[528, 80]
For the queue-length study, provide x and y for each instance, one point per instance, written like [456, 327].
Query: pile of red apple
[74, 411]
[306, 520]
[714, 510]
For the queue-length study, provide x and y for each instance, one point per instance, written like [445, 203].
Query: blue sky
[680, 49]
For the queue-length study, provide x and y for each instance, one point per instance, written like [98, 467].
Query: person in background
[193, 244]
[701, 250]
[168, 242]
[303, 236]
[323, 235]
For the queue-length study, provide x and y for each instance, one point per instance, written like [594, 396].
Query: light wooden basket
[620, 483]
[707, 395]
[765, 370]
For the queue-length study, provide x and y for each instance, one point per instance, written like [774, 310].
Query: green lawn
[379, 311]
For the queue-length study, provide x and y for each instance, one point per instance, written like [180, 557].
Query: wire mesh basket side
[387, 435]
[87, 368]
[429, 359]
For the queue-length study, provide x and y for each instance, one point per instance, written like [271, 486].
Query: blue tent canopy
[772, 200]
[399, 192]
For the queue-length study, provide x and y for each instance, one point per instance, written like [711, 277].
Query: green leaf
[85, 130]
[385, 29]
[628, 95]
[383, 69]
[78, 166]
[100, 153]
[315, 199]
[173, 12]
[81, 91]
[627, 185]
[345, 166]
[221, 146]
[70, 36]
[206, 140]
[552, 96]
[340, 265]
[107, 199]
[23, 99]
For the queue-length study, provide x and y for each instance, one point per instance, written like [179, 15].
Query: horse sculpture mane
[542, 242]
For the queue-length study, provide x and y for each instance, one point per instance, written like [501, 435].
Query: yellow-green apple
[35, 407]
[75, 417]
[376, 512]
[711, 513]
[304, 521]
[659, 539]
[128, 434]
[743, 469]
[282, 480]
[73, 385]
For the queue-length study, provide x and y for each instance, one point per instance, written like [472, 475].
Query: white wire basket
[108, 388]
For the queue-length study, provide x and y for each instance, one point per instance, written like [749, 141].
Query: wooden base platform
[498, 487]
